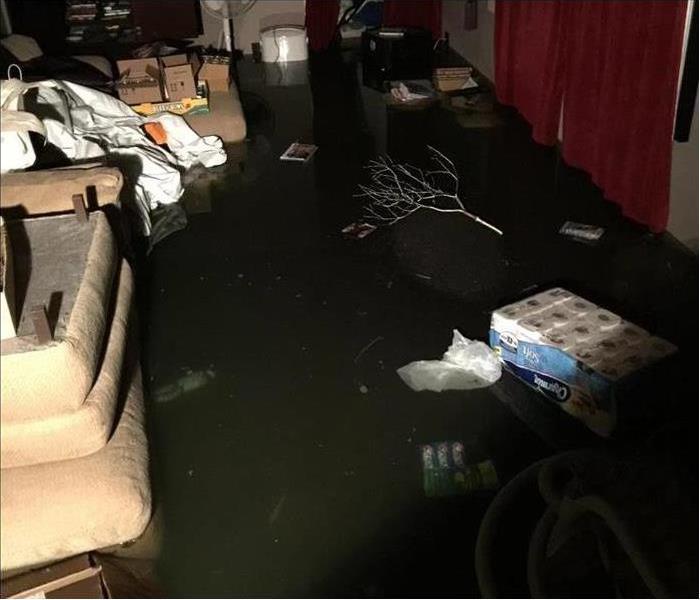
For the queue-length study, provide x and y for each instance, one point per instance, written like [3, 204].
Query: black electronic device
[393, 53]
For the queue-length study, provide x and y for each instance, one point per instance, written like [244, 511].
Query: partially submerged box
[179, 71]
[196, 105]
[139, 80]
[576, 353]
[77, 577]
[215, 71]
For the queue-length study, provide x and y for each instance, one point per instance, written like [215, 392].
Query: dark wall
[167, 19]
[44, 20]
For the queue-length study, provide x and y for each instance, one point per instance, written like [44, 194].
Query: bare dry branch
[398, 190]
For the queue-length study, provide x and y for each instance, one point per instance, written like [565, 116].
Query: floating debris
[581, 232]
[358, 230]
[190, 381]
[367, 347]
[277, 509]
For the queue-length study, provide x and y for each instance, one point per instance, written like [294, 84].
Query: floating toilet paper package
[578, 354]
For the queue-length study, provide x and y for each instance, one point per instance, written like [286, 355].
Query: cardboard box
[77, 577]
[451, 79]
[179, 82]
[581, 356]
[185, 106]
[139, 80]
[176, 60]
[215, 70]
[7, 287]
[179, 72]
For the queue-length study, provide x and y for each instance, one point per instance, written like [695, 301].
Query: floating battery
[443, 455]
[458, 454]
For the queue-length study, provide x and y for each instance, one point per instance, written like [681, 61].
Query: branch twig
[398, 190]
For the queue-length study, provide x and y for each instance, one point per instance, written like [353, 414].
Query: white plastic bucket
[283, 43]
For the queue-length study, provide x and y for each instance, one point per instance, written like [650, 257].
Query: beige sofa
[78, 262]
[51, 191]
[73, 450]
[54, 510]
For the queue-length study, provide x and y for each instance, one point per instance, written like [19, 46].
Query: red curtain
[529, 64]
[609, 70]
[414, 13]
[623, 60]
[321, 21]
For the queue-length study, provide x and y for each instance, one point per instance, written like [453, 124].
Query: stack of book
[450, 79]
[80, 14]
[91, 21]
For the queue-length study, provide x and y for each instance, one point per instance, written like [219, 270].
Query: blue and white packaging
[576, 353]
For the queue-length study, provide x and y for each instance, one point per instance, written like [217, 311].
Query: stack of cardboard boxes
[177, 83]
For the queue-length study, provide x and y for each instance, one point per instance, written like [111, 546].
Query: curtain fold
[623, 60]
[321, 21]
[414, 13]
[529, 62]
[609, 72]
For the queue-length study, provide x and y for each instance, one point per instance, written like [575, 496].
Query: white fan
[226, 10]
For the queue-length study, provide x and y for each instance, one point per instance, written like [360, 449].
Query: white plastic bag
[467, 365]
[87, 123]
[16, 151]
[187, 146]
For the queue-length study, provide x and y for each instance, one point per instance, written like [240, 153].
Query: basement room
[349, 299]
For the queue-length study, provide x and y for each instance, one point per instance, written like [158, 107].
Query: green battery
[446, 472]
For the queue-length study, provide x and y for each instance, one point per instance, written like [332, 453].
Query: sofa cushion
[53, 510]
[87, 429]
[224, 119]
[66, 262]
[21, 47]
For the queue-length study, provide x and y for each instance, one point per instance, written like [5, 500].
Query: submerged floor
[288, 464]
